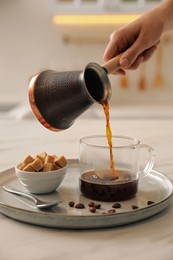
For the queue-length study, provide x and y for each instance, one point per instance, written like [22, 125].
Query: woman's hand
[140, 38]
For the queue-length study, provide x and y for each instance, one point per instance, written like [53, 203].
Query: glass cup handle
[150, 163]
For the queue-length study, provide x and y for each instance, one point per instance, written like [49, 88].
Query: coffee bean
[116, 205]
[91, 204]
[111, 211]
[134, 207]
[97, 206]
[79, 206]
[92, 209]
[150, 202]
[71, 204]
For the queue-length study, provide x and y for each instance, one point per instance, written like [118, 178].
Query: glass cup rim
[135, 140]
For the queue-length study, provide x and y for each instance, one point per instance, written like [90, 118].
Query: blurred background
[66, 35]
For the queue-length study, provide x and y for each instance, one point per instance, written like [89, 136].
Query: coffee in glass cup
[98, 181]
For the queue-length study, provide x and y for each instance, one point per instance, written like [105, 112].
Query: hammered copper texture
[60, 97]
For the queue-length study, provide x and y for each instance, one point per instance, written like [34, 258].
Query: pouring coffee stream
[58, 98]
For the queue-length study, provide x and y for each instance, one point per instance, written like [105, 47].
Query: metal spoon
[38, 203]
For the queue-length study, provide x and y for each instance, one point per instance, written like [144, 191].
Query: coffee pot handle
[113, 65]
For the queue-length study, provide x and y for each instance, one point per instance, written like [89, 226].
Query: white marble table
[149, 239]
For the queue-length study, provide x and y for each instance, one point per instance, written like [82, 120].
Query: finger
[129, 58]
[118, 72]
[131, 54]
[114, 46]
[111, 51]
[146, 55]
[136, 63]
[149, 53]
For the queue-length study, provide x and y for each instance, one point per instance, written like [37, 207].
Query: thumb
[116, 45]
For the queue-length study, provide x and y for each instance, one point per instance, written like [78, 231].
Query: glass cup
[132, 161]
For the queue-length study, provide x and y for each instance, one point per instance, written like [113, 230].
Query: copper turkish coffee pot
[58, 98]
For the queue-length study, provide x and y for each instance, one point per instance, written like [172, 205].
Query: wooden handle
[113, 65]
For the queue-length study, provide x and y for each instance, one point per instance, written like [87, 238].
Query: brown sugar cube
[21, 166]
[29, 168]
[48, 167]
[37, 164]
[40, 157]
[49, 159]
[43, 154]
[56, 167]
[61, 161]
[28, 159]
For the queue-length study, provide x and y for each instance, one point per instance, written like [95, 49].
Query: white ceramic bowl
[41, 182]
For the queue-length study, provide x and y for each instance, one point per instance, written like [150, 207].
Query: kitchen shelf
[101, 6]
